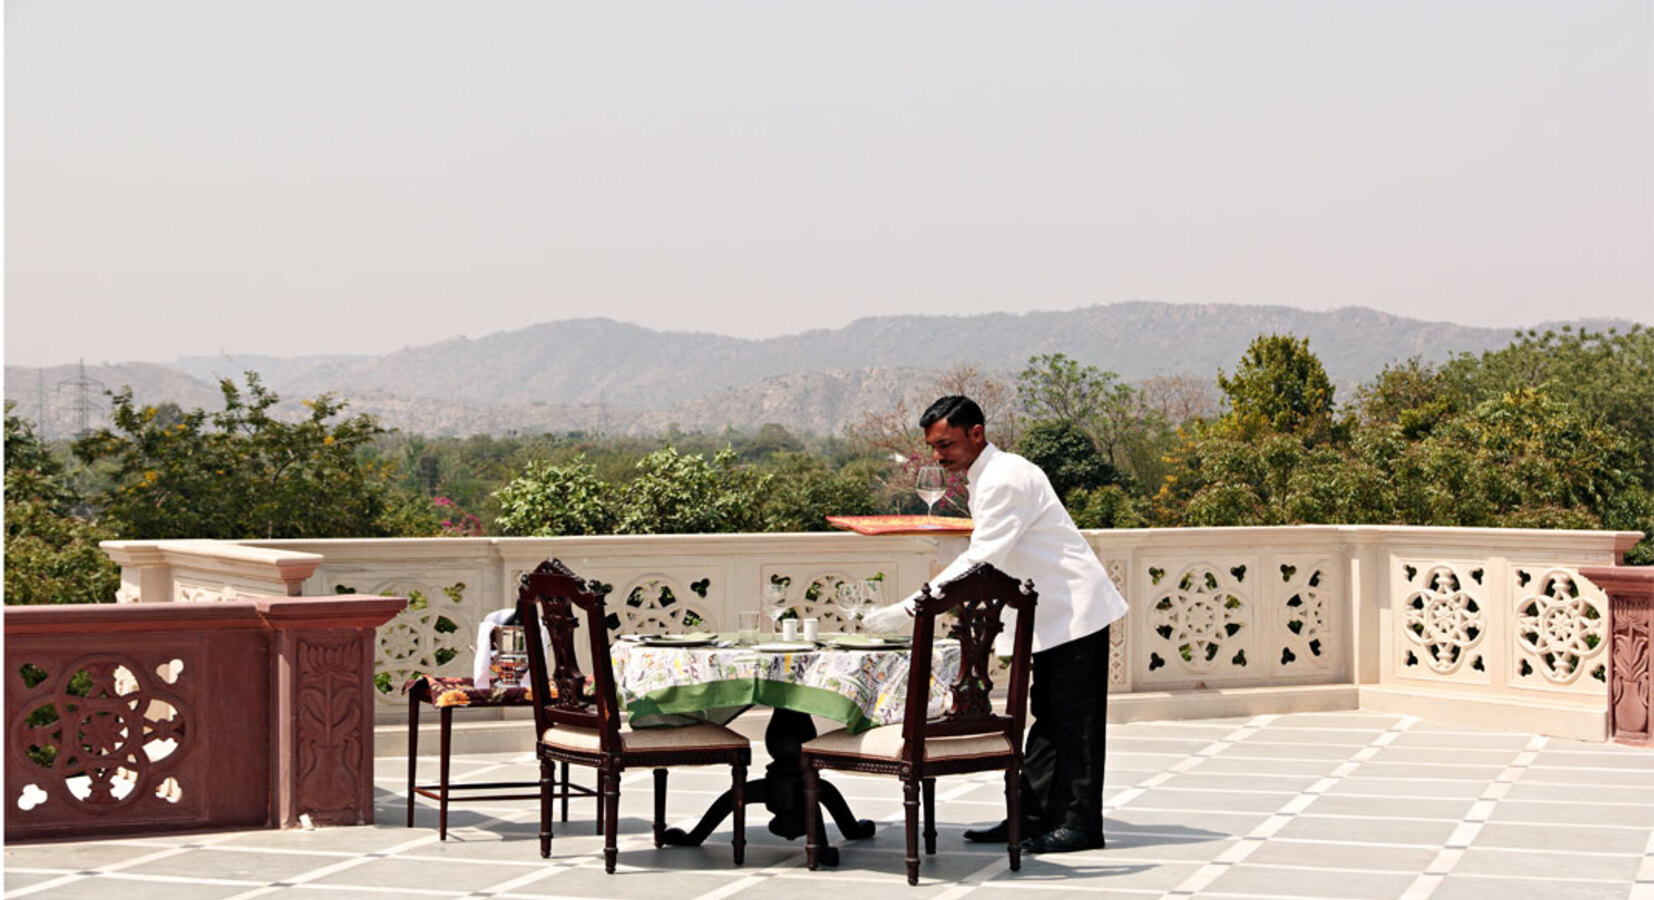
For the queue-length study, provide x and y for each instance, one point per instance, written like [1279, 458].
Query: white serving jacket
[1022, 529]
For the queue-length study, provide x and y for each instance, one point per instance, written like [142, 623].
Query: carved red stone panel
[1630, 591]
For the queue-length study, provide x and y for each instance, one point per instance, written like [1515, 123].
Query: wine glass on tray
[931, 487]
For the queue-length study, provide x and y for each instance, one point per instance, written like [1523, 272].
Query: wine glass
[872, 593]
[872, 597]
[775, 602]
[848, 599]
[931, 487]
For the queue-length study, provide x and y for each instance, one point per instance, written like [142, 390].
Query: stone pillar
[322, 655]
[1630, 592]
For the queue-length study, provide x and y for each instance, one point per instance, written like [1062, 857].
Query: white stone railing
[661, 583]
[1492, 625]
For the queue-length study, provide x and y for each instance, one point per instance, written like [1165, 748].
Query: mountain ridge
[596, 373]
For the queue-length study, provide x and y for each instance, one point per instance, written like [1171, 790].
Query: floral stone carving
[104, 734]
[1443, 622]
[1202, 620]
[1561, 630]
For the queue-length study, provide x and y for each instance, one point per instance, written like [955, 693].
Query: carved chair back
[977, 600]
[553, 599]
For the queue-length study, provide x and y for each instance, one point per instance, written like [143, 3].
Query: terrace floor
[1324, 805]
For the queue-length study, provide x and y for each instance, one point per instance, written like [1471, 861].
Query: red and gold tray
[902, 524]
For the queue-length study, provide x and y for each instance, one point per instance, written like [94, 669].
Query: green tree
[1520, 460]
[32, 472]
[549, 499]
[1055, 388]
[1274, 479]
[1109, 506]
[240, 472]
[1413, 396]
[675, 493]
[1067, 455]
[1608, 378]
[1275, 456]
[770, 439]
[804, 490]
[52, 556]
[407, 514]
[1280, 385]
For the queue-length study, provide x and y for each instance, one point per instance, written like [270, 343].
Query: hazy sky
[297, 177]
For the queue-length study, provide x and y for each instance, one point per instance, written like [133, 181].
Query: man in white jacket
[1022, 528]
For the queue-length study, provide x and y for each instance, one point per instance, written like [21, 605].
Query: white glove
[897, 618]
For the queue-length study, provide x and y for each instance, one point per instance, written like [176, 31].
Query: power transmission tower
[40, 404]
[82, 385]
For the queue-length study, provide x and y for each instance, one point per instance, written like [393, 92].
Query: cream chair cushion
[704, 736]
[886, 743]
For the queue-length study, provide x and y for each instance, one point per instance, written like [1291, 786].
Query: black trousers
[1062, 772]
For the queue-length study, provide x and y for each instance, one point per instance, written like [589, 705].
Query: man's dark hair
[957, 411]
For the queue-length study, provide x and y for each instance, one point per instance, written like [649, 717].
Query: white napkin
[480, 671]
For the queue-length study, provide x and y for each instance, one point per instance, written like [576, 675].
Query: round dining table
[858, 680]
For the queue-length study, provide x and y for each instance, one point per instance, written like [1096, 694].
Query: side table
[447, 694]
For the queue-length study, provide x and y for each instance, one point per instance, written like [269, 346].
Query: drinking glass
[748, 625]
[931, 487]
[872, 595]
[775, 603]
[847, 597]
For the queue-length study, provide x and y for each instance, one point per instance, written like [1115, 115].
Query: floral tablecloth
[861, 688]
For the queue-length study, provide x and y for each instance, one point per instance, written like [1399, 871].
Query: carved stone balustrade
[131, 719]
[1630, 651]
[1486, 626]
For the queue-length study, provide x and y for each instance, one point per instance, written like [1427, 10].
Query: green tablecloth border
[689, 699]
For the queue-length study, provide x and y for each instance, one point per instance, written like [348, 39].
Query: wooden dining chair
[968, 737]
[580, 722]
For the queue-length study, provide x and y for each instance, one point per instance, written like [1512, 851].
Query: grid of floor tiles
[1348, 805]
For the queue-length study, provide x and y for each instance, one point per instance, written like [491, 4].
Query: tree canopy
[1523, 438]
[52, 553]
[671, 492]
[1279, 385]
[548, 500]
[1055, 388]
[1067, 456]
[239, 472]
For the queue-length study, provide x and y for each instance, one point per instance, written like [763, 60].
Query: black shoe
[998, 834]
[1062, 840]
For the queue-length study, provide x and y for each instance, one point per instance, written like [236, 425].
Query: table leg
[785, 736]
[781, 790]
[848, 825]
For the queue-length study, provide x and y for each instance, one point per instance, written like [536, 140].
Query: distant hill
[584, 374]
